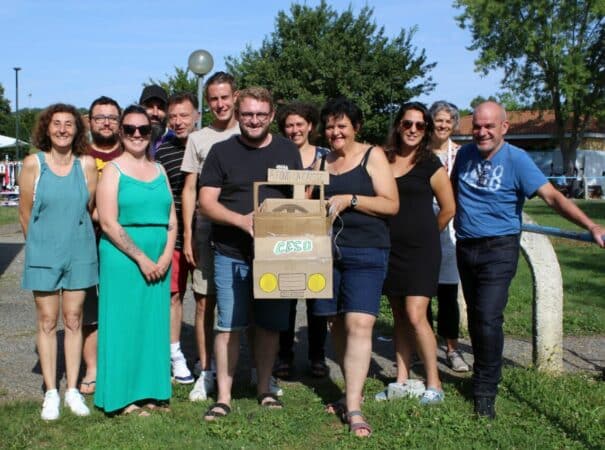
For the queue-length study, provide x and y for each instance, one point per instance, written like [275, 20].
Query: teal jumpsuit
[60, 249]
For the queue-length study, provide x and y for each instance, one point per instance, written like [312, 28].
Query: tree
[552, 51]
[181, 81]
[315, 54]
[5, 111]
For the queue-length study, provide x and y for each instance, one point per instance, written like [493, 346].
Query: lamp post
[200, 63]
[17, 69]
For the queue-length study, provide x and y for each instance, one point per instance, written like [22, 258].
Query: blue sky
[74, 51]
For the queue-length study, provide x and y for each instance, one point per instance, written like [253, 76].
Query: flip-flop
[269, 400]
[338, 408]
[217, 411]
[157, 407]
[134, 410]
[87, 387]
[363, 425]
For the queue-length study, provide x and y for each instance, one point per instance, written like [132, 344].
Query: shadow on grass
[556, 421]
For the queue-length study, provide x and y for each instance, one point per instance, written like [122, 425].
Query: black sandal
[223, 411]
[273, 403]
[319, 369]
[283, 370]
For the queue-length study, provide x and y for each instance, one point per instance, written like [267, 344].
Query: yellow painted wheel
[317, 282]
[268, 282]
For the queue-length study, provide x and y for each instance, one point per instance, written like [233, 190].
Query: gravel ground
[20, 376]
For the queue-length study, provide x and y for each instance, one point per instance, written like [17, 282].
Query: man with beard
[182, 116]
[103, 115]
[226, 198]
[155, 101]
[491, 180]
[220, 93]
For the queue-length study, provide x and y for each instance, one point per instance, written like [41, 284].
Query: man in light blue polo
[491, 181]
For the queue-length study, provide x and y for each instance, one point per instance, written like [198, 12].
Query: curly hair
[41, 139]
[395, 140]
[305, 110]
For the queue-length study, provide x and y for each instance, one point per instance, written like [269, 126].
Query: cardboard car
[292, 239]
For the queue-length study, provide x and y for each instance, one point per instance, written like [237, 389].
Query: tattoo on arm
[129, 246]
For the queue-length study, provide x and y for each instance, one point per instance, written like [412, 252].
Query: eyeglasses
[407, 124]
[101, 118]
[248, 116]
[130, 130]
[483, 171]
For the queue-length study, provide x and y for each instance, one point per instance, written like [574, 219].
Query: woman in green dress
[137, 216]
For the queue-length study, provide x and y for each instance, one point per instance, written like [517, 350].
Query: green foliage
[551, 50]
[529, 416]
[316, 54]
[180, 81]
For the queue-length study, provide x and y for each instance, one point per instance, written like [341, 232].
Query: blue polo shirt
[490, 199]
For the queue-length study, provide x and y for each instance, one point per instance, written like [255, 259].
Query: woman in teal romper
[138, 219]
[57, 191]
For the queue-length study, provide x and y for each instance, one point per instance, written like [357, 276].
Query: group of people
[172, 201]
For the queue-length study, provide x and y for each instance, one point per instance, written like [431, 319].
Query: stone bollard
[547, 300]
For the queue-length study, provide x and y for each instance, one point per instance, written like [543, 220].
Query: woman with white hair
[445, 118]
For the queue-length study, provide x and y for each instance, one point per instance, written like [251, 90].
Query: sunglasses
[130, 130]
[483, 170]
[407, 124]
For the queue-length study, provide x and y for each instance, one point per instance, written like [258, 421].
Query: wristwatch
[354, 201]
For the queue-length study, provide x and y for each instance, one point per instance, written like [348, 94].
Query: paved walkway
[20, 376]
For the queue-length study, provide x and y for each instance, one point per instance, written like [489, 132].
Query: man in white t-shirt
[220, 93]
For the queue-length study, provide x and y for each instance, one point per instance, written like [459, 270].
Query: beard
[255, 139]
[104, 141]
[158, 127]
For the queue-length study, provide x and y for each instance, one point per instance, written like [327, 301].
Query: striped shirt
[170, 155]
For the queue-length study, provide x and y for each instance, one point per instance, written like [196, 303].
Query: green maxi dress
[134, 315]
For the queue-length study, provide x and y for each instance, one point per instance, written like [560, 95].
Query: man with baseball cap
[155, 101]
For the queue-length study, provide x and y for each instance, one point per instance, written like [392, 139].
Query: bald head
[489, 127]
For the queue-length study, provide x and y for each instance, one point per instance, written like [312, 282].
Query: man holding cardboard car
[226, 198]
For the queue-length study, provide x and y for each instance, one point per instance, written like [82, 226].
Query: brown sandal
[217, 411]
[269, 400]
[357, 426]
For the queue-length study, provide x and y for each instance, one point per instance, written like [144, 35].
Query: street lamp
[17, 69]
[200, 63]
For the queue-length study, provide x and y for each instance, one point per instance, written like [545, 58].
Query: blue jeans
[358, 275]
[487, 267]
[234, 303]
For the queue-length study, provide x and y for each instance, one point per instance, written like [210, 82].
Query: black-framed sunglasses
[407, 124]
[483, 171]
[130, 130]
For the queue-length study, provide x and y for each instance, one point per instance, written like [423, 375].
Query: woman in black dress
[412, 276]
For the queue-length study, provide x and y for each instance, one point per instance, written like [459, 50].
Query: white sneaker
[273, 386]
[203, 386]
[50, 407]
[409, 388]
[180, 371]
[197, 367]
[75, 402]
[457, 362]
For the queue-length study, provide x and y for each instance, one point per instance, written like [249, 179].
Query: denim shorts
[358, 275]
[234, 300]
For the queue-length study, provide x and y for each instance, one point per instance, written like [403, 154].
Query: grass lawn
[582, 266]
[9, 214]
[529, 416]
